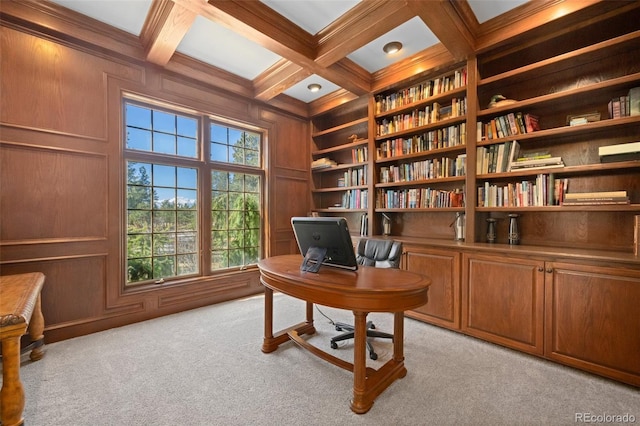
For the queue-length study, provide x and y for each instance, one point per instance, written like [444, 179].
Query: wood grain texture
[592, 319]
[443, 268]
[503, 301]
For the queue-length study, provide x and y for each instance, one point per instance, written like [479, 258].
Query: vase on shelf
[514, 234]
[386, 224]
[458, 227]
[491, 230]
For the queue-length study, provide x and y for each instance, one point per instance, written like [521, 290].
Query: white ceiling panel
[311, 15]
[488, 9]
[127, 15]
[301, 92]
[218, 46]
[414, 35]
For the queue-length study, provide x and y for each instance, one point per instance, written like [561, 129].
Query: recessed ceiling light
[314, 87]
[392, 47]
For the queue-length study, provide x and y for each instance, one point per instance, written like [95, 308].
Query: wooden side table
[20, 311]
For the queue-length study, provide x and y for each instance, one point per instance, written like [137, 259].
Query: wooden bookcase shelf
[573, 79]
[344, 147]
[567, 170]
[345, 126]
[559, 209]
[595, 52]
[420, 182]
[343, 188]
[420, 209]
[584, 129]
[338, 188]
[421, 129]
[444, 98]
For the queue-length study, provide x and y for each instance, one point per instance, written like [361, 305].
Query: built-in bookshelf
[420, 149]
[509, 131]
[567, 96]
[340, 164]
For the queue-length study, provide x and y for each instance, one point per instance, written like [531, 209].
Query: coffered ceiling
[279, 47]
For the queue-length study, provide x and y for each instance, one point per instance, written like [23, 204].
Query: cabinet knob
[549, 270]
[540, 269]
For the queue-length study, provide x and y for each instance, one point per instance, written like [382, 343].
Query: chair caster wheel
[338, 328]
[334, 345]
[373, 355]
[373, 327]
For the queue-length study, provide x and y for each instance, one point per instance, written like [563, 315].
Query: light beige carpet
[205, 367]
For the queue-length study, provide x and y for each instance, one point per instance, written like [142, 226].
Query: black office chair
[380, 254]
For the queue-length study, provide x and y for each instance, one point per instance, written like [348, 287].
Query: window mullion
[205, 199]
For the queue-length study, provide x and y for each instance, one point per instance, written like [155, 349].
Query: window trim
[205, 166]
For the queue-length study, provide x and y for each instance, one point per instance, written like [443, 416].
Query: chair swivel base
[371, 332]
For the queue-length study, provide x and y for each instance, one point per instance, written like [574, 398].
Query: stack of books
[536, 160]
[620, 152]
[321, 163]
[595, 198]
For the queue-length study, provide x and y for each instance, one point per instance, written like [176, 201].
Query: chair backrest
[379, 253]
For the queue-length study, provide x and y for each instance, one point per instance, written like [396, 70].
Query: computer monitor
[327, 238]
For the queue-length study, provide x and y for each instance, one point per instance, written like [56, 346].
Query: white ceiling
[216, 45]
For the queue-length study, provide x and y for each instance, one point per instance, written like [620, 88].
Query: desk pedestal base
[368, 383]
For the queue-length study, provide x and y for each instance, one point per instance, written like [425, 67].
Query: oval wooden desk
[366, 290]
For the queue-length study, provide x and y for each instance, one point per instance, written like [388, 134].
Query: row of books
[354, 199]
[415, 198]
[354, 177]
[507, 125]
[360, 154]
[625, 106]
[421, 91]
[364, 225]
[507, 157]
[545, 190]
[434, 139]
[596, 198]
[421, 117]
[432, 168]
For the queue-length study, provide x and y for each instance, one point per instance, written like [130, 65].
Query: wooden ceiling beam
[277, 79]
[164, 28]
[447, 25]
[366, 21]
[261, 24]
[257, 22]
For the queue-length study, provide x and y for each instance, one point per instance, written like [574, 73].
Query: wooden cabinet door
[593, 319]
[443, 268]
[503, 300]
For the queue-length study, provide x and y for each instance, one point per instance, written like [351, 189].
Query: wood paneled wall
[61, 174]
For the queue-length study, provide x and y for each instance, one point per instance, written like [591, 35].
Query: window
[170, 234]
[235, 219]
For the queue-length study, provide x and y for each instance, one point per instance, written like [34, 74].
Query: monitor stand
[313, 259]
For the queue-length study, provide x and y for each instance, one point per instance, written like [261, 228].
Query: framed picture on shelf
[576, 120]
